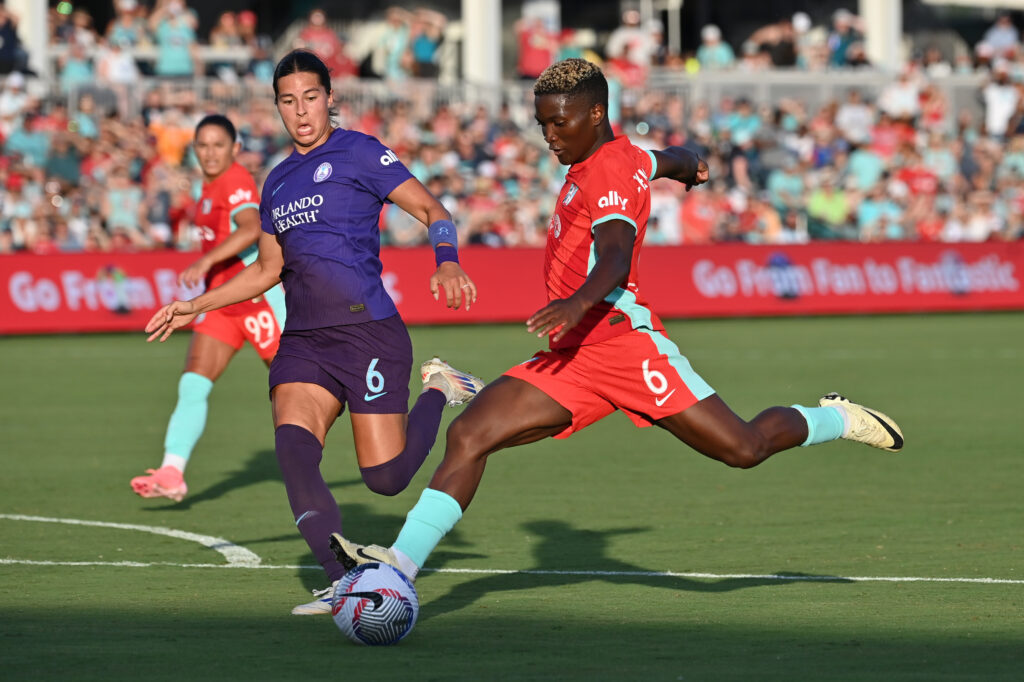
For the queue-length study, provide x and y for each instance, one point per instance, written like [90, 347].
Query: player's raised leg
[713, 429]
[505, 413]
[207, 358]
[392, 448]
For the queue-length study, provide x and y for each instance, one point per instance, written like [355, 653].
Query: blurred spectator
[633, 41]
[117, 71]
[425, 40]
[786, 186]
[13, 99]
[934, 64]
[854, 118]
[174, 29]
[261, 67]
[64, 160]
[27, 141]
[900, 98]
[537, 47]
[1002, 36]
[846, 31]
[128, 27]
[810, 42]
[225, 31]
[247, 28]
[713, 53]
[778, 40]
[317, 36]
[82, 33]
[829, 207]
[13, 56]
[76, 70]
[391, 63]
[878, 215]
[1000, 97]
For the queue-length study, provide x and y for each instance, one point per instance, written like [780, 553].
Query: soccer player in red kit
[608, 350]
[228, 222]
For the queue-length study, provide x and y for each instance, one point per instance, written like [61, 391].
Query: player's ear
[598, 112]
[236, 148]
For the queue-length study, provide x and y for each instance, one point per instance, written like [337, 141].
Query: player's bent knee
[386, 479]
[463, 440]
[743, 455]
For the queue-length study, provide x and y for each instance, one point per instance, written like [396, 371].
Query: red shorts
[640, 372]
[251, 321]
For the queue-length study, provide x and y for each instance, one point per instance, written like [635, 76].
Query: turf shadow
[259, 468]
[565, 555]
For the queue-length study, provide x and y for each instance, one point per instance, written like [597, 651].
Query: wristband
[446, 253]
[443, 232]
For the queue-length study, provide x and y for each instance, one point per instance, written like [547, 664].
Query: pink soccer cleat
[163, 482]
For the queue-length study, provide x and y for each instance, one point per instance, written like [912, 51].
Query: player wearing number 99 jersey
[228, 225]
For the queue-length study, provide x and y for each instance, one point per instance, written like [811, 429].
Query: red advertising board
[113, 292]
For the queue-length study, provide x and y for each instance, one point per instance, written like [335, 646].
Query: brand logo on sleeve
[640, 180]
[388, 159]
[613, 198]
[323, 171]
[239, 196]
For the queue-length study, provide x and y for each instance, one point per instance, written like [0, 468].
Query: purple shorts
[366, 365]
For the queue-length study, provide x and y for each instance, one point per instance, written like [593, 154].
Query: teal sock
[189, 417]
[434, 515]
[823, 423]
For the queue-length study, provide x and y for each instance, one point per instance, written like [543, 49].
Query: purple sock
[314, 508]
[391, 477]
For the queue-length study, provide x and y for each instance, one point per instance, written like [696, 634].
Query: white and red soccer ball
[375, 604]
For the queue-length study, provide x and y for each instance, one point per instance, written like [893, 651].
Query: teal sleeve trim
[654, 164]
[613, 216]
[240, 208]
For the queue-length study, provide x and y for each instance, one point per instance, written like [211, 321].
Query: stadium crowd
[82, 170]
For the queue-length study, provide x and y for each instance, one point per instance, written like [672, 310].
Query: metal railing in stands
[814, 89]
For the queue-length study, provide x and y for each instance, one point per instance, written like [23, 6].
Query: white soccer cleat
[350, 554]
[865, 425]
[322, 603]
[458, 386]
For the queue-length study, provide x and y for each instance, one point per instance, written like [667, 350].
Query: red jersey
[612, 184]
[233, 191]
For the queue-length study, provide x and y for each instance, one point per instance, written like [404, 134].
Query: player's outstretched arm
[262, 274]
[416, 200]
[682, 165]
[613, 245]
[247, 233]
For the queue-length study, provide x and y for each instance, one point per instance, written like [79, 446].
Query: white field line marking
[236, 556]
[781, 577]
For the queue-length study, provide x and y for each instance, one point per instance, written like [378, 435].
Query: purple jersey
[324, 208]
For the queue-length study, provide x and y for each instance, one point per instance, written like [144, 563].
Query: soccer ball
[375, 604]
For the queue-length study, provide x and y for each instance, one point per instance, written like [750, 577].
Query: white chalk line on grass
[240, 557]
[781, 577]
[234, 554]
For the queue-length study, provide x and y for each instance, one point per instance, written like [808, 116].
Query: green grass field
[618, 554]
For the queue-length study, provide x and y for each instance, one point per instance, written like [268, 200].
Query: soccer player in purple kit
[343, 341]
[608, 350]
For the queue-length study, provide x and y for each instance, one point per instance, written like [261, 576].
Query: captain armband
[445, 241]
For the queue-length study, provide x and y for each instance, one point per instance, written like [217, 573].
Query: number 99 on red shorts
[253, 321]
